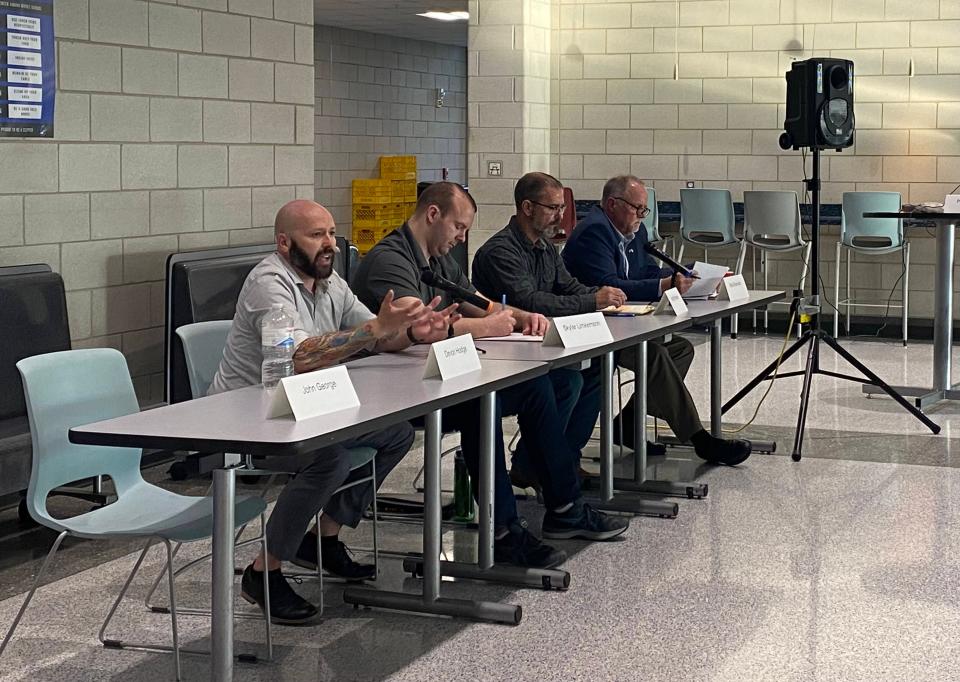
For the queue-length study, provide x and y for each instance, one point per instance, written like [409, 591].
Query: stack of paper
[709, 282]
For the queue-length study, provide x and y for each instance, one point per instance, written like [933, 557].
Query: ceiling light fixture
[446, 16]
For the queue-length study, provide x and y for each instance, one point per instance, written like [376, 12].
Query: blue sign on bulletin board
[28, 76]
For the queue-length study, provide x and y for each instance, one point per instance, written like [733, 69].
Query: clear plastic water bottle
[276, 341]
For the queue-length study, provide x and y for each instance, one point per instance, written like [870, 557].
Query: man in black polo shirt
[519, 262]
[443, 215]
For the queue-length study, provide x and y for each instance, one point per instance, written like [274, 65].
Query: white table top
[708, 311]
[390, 387]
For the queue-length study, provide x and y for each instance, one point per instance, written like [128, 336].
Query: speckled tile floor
[841, 567]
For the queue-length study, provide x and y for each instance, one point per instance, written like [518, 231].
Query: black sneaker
[582, 521]
[336, 559]
[519, 478]
[286, 606]
[521, 548]
[720, 451]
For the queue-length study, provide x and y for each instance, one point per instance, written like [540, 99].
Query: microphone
[429, 277]
[657, 253]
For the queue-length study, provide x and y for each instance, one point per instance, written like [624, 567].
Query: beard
[314, 268]
[549, 230]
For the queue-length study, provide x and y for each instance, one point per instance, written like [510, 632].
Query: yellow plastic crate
[372, 191]
[404, 190]
[398, 167]
[377, 215]
[364, 238]
[408, 208]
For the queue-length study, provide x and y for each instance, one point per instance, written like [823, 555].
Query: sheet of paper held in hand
[706, 286]
[629, 309]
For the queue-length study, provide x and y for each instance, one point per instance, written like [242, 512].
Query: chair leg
[766, 286]
[33, 589]
[906, 292]
[836, 293]
[679, 258]
[320, 563]
[803, 282]
[173, 608]
[268, 619]
[753, 280]
[113, 609]
[738, 269]
[847, 292]
[158, 579]
[376, 543]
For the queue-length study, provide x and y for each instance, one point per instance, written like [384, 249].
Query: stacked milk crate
[380, 206]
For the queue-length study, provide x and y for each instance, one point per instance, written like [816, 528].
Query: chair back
[652, 221]
[203, 344]
[706, 217]
[771, 219]
[870, 233]
[72, 388]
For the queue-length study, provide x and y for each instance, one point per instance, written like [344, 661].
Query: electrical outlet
[691, 184]
[494, 168]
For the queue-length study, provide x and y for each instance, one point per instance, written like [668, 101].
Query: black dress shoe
[336, 559]
[286, 606]
[720, 451]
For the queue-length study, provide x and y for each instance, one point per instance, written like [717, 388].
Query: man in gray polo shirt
[331, 325]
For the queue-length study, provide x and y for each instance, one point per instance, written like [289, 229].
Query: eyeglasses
[641, 210]
[553, 208]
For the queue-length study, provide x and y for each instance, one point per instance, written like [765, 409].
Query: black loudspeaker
[819, 105]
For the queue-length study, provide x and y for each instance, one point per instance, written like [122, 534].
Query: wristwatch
[410, 336]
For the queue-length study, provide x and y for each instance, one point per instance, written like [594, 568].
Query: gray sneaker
[583, 521]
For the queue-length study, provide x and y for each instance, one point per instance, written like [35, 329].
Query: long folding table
[390, 392]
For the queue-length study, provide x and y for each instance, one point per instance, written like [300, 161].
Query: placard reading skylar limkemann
[27, 68]
[578, 330]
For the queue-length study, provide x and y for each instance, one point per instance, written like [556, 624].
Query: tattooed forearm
[329, 349]
[384, 340]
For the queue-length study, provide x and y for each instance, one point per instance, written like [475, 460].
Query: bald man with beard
[330, 326]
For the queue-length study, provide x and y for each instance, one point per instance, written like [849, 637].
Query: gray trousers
[317, 475]
[667, 395]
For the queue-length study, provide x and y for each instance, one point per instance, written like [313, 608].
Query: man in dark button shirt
[607, 247]
[443, 215]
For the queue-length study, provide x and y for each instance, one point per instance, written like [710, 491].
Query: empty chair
[652, 222]
[707, 220]
[871, 237]
[771, 222]
[76, 387]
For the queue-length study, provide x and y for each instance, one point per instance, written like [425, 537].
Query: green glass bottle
[462, 494]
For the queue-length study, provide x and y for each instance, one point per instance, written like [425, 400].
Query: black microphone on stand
[430, 278]
[657, 253]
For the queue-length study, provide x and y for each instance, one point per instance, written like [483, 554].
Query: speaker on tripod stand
[819, 116]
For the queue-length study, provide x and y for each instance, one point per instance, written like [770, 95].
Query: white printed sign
[25, 111]
[24, 40]
[25, 76]
[578, 330]
[21, 94]
[733, 288]
[18, 23]
[313, 394]
[671, 303]
[452, 358]
[952, 203]
[31, 59]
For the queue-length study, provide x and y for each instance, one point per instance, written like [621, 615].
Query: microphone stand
[814, 335]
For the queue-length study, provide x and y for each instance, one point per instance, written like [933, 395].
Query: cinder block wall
[178, 126]
[376, 95]
[617, 107]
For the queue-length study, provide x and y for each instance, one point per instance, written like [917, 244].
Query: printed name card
[452, 358]
[578, 330]
[313, 394]
[671, 303]
[952, 203]
[733, 288]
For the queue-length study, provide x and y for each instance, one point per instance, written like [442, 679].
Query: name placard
[452, 358]
[313, 393]
[578, 330]
[951, 204]
[733, 288]
[671, 303]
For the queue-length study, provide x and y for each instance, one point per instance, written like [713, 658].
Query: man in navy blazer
[606, 249]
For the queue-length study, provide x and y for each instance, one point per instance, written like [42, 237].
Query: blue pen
[503, 300]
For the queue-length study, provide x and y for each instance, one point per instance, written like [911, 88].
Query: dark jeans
[550, 456]
[317, 475]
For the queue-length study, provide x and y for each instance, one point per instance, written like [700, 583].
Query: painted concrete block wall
[376, 95]
[178, 126]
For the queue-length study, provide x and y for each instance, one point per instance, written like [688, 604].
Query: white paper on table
[515, 336]
[710, 276]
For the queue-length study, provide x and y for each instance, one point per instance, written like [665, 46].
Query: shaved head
[306, 238]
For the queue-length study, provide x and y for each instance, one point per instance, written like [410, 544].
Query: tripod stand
[814, 335]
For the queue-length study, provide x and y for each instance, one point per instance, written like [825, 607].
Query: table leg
[430, 600]
[716, 378]
[221, 625]
[622, 503]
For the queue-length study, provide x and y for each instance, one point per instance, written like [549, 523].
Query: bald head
[300, 214]
[306, 238]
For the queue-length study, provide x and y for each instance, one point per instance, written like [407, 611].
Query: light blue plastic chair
[771, 222]
[707, 220]
[203, 344]
[77, 387]
[652, 222]
[871, 237]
